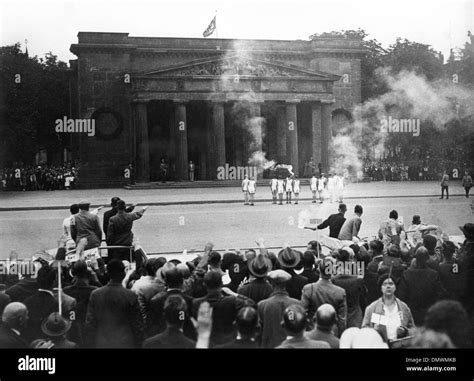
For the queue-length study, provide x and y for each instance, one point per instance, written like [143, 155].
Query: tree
[33, 94]
[413, 56]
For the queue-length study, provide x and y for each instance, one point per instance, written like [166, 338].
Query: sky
[53, 25]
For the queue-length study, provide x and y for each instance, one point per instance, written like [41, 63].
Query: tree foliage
[34, 93]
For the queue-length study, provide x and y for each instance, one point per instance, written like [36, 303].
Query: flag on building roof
[211, 28]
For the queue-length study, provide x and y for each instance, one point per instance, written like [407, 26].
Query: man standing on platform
[163, 170]
[467, 183]
[245, 189]
[86, 225]
[445, 185]
[191, 168]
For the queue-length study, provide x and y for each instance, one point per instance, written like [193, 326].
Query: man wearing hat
[294, 323]
[288, 260]
[86, 225]
[270, 311]
[258, 289]
[55, 328]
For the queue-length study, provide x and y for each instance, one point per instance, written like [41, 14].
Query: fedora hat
[289, 258]
[260, 266]
[468, 230]
[55, 325]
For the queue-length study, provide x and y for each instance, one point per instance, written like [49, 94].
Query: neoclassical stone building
[212, 101]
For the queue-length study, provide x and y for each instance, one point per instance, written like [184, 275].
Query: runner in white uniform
[245, 189]
[331, 187]
[339, 187]
[313, 186]
[252, 188]
[288, 189]
[280, 189]
[296, 189]
[321, 187]
[273, 187]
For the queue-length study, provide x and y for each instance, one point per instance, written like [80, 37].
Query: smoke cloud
[410, 96]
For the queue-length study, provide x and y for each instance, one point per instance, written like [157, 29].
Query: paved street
[229, 225]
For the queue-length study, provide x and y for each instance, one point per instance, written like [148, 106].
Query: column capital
[290, 102]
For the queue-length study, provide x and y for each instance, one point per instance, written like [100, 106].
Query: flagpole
[217, 34]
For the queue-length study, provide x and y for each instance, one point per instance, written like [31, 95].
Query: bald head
[15, 315]
[325, 316]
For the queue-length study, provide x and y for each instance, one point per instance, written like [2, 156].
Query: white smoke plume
[410, 96]
[258, 159]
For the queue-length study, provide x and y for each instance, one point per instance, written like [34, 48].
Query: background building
[212, 101]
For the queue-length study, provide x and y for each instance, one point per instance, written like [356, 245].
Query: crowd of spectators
[408, 170]
[38, 177]
[413, 288]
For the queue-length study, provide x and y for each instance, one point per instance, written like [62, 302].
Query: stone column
[181, 141]
[143, 147]
[292, 135]
[281, 128]
[316, 132]
[326, 134]
[218, 131]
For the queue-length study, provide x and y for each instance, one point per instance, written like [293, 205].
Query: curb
[202, 202]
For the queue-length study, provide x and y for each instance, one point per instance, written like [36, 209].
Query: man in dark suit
[119, 231]
[355, 290]
[325, 323]
[112, 212]
[175, 312]
[246, 322]
[4, 300]
[420, 286]
[14, 319]
[41, 304]
[334, 221]
[113, 318]
[225, 306]
[86, 225]
[288, 260]
[258, 288]
[324, 291]
[81, 291]
[270, 311]
[174, 283]
[23, 289]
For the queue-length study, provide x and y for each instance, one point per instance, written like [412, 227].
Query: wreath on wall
[108, 123]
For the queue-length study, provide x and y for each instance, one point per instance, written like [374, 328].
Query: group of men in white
[329, 188]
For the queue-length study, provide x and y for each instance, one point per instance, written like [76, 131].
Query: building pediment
[239, 66]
